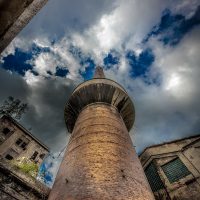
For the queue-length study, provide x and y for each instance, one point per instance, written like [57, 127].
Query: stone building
[100, 161]
[14, 15]
[16, 143]
[173, 169]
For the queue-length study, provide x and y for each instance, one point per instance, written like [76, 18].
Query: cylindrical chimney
[100, 161]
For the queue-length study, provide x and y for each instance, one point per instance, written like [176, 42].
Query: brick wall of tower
[100, 161]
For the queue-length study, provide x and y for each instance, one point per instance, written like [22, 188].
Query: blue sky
[149, 47]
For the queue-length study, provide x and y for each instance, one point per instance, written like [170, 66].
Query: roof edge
[173, 141]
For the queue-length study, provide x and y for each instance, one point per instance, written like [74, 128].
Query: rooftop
[170, 142]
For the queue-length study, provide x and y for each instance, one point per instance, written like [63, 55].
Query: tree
[13, 107]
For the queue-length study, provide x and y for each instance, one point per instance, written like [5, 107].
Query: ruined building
[173, 169]
[100, 161]
[14, 15]
[16, 142]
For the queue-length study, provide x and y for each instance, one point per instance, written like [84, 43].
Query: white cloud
[170, 110]
[128, 24]
[173, 82]
[31, 79]
[179, 65]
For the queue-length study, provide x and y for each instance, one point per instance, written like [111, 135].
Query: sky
[152, 48]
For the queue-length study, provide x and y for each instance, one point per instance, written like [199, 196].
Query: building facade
[14, 16]
[173, 169]
[17, 142]
[100, 161]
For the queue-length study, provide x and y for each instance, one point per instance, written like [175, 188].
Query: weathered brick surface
[100, 161]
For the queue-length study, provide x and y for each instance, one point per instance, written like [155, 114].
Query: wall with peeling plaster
[188, 151]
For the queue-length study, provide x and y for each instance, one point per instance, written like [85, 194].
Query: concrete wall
[188, 151]
[14, 15]
[8, 142]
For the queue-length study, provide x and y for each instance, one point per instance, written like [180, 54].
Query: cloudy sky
[151, 47]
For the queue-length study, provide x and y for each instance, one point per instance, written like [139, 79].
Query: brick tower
[100, 162]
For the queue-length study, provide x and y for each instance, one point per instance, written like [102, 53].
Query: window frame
[18, 141]
[23, 142]
[6, 131]
[4, 136]
[11, 152]
[34, 155]
[177, 177]
[160, 185]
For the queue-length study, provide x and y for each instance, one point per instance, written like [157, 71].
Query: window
[9, 157]
[23, 145]
[175, 170]
[22, 142]
[11, 154]
[42, 155]
[18, 142]
[6, 131]
[33, 157]
[153, 177]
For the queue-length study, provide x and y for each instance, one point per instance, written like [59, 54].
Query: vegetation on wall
[27, 166]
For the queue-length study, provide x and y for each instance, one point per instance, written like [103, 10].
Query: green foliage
[27, 166]
[13, 107]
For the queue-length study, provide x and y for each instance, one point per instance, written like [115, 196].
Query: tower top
[99, 89]
[99, 72]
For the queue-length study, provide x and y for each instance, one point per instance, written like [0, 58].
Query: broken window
[175, 170]
[9, 157]
[11, 154]
[18, 142]
[42, 155]
[33, 157]
[6, 131]
[22, 142]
